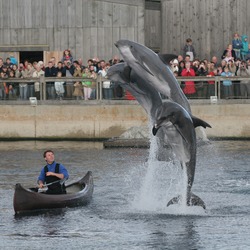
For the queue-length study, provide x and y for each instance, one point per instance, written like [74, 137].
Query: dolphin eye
[131, 47]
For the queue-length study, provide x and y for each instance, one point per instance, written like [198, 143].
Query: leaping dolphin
[153, 70]
[183, 142]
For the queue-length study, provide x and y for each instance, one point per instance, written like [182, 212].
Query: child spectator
[227, 84]
[59, 87]
[67, 56]
[189, 49]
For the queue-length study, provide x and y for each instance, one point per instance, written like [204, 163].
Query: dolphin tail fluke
[194, 200]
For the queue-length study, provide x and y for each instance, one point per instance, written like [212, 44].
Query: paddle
[44, 188]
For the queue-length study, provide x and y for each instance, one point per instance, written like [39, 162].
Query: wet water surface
[128, 209]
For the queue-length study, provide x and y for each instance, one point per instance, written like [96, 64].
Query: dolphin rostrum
[182, 139]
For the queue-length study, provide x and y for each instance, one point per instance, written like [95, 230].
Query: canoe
[78, 193]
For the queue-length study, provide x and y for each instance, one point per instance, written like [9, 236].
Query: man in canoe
[53, 175]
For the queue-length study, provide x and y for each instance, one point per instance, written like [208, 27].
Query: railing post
[218, 90]
[41, 82]
[43, 88]
[216, 86]
[100, 86]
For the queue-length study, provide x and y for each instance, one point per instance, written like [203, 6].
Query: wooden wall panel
[210, 24]
[87, 27]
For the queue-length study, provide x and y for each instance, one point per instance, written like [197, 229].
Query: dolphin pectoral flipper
[198, 122]
[194, 200]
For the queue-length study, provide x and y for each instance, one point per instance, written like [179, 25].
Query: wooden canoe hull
[78, 193]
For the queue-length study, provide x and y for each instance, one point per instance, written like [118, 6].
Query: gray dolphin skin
[145, 94]
[182, 139]
[153, 70]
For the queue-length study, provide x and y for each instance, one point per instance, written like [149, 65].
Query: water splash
[157, 182]
[161, 182]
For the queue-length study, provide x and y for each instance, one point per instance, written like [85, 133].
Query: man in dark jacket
[50, 71]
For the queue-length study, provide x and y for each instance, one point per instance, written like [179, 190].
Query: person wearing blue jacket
[227, 84]
[244, 50]
[237, 45]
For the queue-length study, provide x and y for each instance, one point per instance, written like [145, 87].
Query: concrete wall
[96, 122]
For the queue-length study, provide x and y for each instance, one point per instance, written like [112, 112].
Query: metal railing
[100, 88]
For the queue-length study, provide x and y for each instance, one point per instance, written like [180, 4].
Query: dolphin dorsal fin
[198, 122]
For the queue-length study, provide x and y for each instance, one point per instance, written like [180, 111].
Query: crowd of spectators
[61, 89]
[235, 61]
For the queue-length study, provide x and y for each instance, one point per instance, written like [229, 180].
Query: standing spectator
[244, 71]
[237, 45]
[236, 84]
[189, 49]
[80, 61]
[61, 68]
[28, 73]
[59, 87]
[23, 87]
[223, 64]
[1, 64]
[77, 85]
[189, 88]
[201, 87]
[50, 71]
[244, 50]
[87, 84]
[180, 58]
[215, 61]
[17, 74]
[69, 68]
[227, 84]
[212, 71]
[13, 59]
[229, 53]
[175, 65]
[37, 73]
[4, 89]
[181, 67]
[41, 64]
[11, 89]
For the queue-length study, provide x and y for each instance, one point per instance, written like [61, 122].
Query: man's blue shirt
[52, 168]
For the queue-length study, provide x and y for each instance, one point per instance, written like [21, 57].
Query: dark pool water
[128, 209]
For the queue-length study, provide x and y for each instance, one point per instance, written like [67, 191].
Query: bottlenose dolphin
[153, 70]
[179, 128]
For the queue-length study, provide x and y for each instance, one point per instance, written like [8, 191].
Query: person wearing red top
[189, 89]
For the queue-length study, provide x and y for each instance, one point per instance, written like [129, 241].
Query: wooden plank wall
[88, 27]
[153, 25]
[210, 24]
